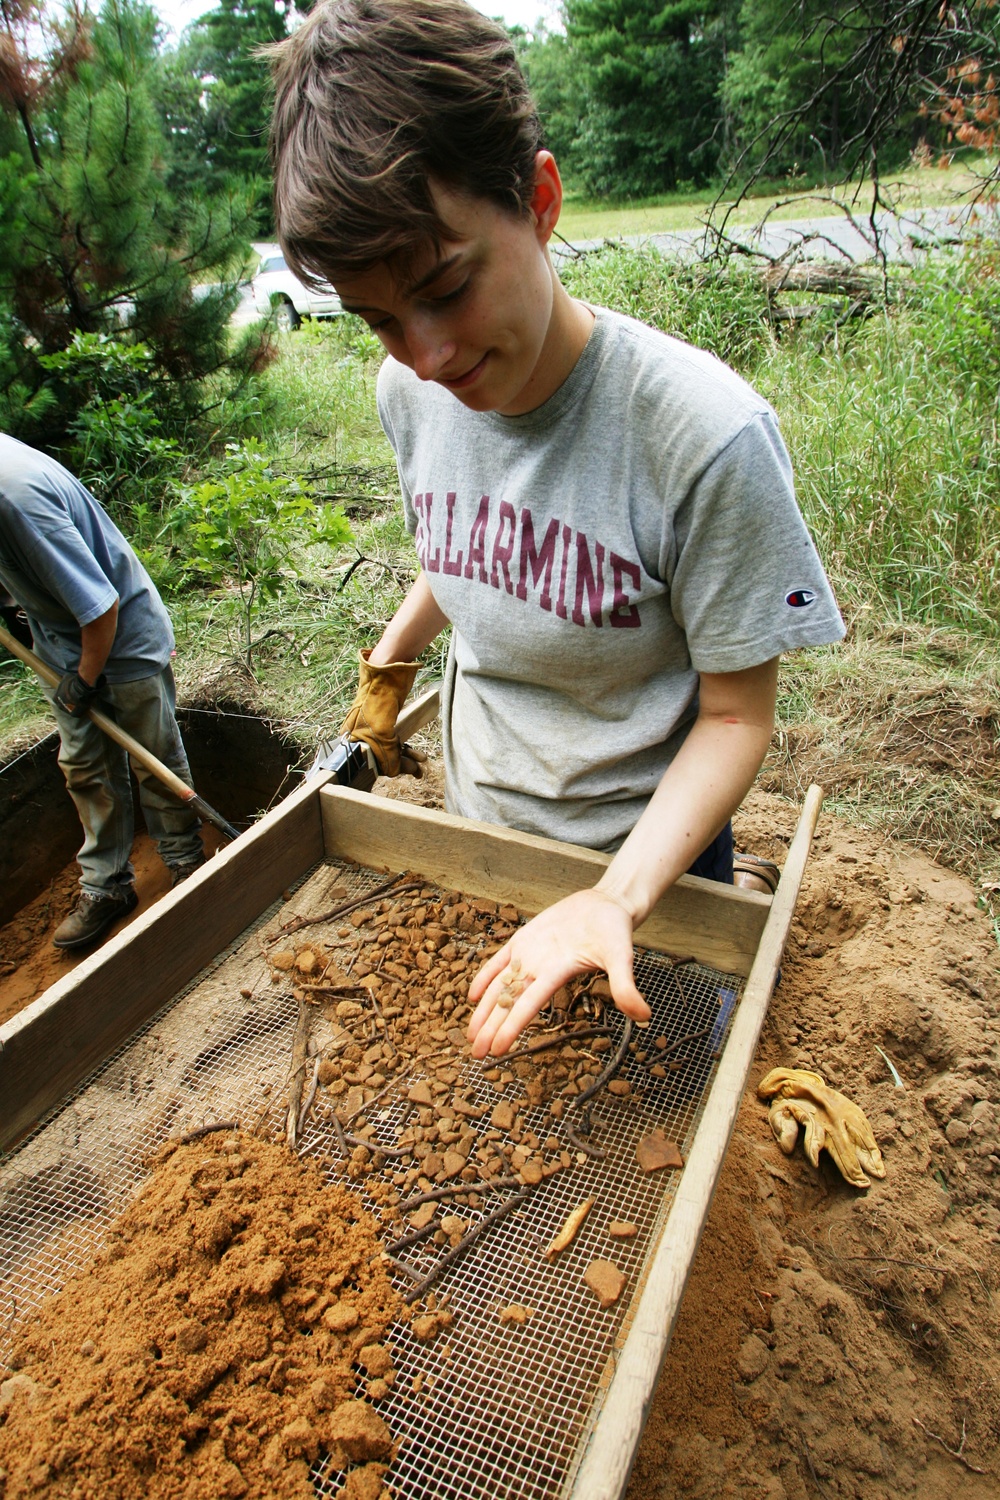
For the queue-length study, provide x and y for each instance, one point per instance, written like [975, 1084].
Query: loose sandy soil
[831, 1342]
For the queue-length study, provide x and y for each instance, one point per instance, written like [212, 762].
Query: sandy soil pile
[826, 1334]
[831, 1342]
[213, 1347]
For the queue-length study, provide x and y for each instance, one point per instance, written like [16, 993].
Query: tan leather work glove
[372, 716]
[830, 1120]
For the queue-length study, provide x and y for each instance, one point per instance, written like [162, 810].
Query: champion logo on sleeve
[799, 598]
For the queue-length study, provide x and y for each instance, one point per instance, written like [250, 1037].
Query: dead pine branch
[297, 1073]
[957, 1453]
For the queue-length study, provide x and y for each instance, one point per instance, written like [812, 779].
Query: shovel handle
[121, 737]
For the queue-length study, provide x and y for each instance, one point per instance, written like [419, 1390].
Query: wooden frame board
[51, 1046]
[719, 925]
[605, 1460]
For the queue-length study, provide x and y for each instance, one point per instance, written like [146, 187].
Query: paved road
[904, 237]
[837, 237]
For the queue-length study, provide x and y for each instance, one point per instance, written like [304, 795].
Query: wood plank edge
[607, 1458]
[748, 908]
[26, 1032]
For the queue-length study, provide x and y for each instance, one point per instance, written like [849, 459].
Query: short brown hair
[375, 101]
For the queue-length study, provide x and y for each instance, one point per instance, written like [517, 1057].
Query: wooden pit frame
[50, 1047]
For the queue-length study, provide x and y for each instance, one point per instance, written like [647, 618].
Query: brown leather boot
[91, 918]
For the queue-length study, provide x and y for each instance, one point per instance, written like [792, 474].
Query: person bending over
[604, 514]
[96, 618]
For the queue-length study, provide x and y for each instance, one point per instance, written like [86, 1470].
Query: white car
[275, 286]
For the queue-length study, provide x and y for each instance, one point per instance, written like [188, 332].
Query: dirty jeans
[97, 775]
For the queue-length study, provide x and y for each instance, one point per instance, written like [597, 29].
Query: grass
[916, 187]
[893, 422]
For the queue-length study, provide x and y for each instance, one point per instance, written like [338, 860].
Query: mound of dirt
[208, 1351]
[831, 1342]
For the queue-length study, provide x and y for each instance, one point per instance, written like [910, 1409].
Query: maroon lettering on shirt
[452, 565]
[589, 579]
[583, 577]
[422, 504]
[567, 536]
[623, 616]
[538, 561]
[503, 551]
[477, 542]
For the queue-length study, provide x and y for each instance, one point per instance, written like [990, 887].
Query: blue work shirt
[65, 563]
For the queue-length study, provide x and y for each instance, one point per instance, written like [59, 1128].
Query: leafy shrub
[244, 525]
[719, 308]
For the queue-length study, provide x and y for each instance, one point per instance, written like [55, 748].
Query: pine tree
[94, 248]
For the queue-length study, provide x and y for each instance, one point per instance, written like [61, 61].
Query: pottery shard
[605, 1281]
[502, 1117]
[420, 1093]
[654, 1152]
[357, 1430]
[620, 1230]
[453, 1162]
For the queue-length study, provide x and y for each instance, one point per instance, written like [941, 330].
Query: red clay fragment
[654, 1152]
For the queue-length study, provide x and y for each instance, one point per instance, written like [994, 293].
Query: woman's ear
[546, 200]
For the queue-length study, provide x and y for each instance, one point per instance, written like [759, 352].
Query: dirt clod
[205, 1358]
[605, 1281]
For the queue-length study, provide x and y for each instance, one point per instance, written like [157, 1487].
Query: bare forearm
[416, 623]
[700, 791]
[96, 641]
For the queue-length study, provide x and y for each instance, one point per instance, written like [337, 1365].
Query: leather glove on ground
[372, 716]
[829, 1118]
[74, 696]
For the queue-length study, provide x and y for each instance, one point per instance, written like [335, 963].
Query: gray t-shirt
[65, 563]
[594, 556]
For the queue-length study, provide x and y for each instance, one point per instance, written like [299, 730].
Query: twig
[456, 1187]
[466, 1243]
[952, 1452]
[295, 923]
[563, 1037]
[584, 1146]
[362, 1108]
[915, 1265]
[373, 1146]
[414, 1237]
[682, 1041]
[307, 1103]
[203, 1130]
[617, 1058]
[338, 1131]
[407, 1270]
[300, 1044]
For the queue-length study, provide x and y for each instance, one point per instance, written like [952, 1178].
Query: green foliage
[243, 526]
[893, 424]
[721, 309]
[115, 430]
[212, 95]
[94, 244]
[651, 76]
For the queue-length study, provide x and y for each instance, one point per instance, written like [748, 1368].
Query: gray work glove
[74, 696]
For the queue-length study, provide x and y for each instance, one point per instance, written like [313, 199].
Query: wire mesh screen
[491, 1409]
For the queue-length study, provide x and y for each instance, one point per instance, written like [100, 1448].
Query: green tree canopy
[93, 243]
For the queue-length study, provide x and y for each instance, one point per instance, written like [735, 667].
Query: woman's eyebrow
[433, 274]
